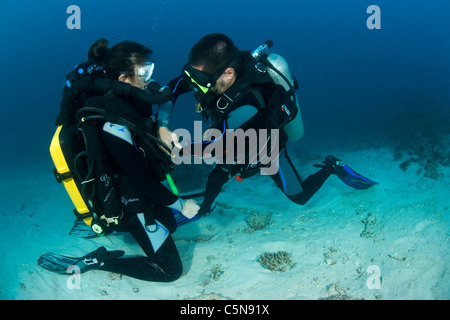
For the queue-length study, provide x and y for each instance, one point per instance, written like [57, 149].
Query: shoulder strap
[100, 178]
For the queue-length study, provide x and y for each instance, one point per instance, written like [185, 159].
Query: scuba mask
[199, 80]
[202, 82]
[145, 72]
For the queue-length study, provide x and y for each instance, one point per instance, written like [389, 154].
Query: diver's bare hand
[169, 138]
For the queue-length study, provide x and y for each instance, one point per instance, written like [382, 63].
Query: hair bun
[98, 50]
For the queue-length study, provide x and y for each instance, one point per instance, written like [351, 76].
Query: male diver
[224, 79]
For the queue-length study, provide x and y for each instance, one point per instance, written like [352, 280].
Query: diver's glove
[190, 209]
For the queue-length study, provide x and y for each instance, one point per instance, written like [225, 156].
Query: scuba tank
[278, 69]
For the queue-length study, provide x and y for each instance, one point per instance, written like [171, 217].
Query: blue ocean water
[353, 80]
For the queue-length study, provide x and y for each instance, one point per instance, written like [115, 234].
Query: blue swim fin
[181, 219]
[347, 174]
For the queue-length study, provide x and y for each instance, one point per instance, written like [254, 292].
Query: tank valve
[262, 49]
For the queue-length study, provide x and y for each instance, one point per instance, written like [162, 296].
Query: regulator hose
[70, 103]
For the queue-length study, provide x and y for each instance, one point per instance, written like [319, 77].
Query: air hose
[71, 95]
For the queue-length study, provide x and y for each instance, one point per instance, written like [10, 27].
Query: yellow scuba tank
[63, 173]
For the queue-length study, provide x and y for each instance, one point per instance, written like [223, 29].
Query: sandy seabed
[388, 242]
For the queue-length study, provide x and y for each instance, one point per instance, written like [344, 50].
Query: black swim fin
[82, 230]
[346, 174]
[60, 263]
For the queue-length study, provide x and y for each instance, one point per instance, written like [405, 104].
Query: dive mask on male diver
[198, 79]
[201, 81]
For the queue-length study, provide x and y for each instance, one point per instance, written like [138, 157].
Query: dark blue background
[353, 81]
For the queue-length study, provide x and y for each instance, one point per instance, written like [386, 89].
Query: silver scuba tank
[294, 128]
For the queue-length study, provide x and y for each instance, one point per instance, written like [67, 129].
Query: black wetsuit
[164, 265]
[248, 113]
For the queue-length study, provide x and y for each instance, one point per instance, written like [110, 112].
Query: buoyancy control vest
[267, 76]
[78, 154]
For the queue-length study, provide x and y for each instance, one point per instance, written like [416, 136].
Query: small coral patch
[279, 261]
